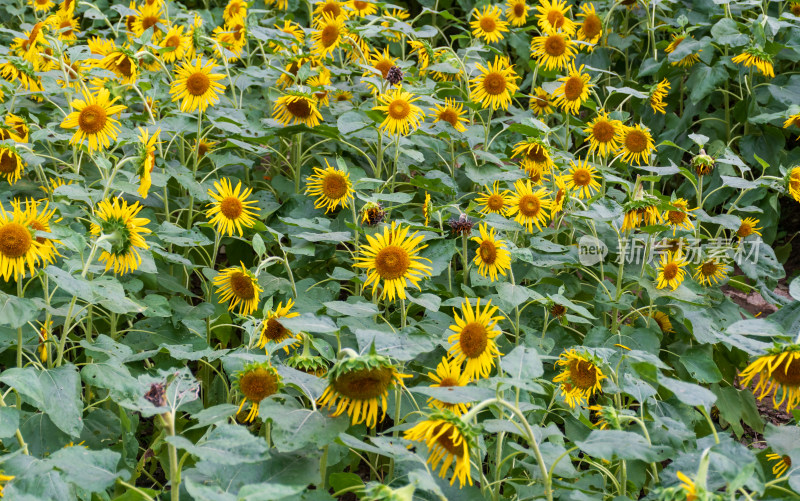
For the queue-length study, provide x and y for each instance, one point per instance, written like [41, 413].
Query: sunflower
[448, 375]
[122, 62]
[272, 331]
[530, 207]
[492, 256]
[747, 227]
[423, 51]
[657, 95]
[553, 17]
[494, 201]
[72, 76]
[362, 8]
[117, 220]
[319, 84]
[794, 8]
[792, 120]
[16, 129]
[541, 102]
[670, 270]
[449, 440]
[396, 14]
[662, 320]
[393, 258]
[535, 155]
[401, 116]
[256, 382]
[18, 246]
[372, 214]
[205, 147]
[332, 187]
[230, 39]
[44, 341]
[688, 60]
[16, 70]
[574, 91]
[234, 11]
[232, 210]
[637, 144]
[554, 50]
[782, 463]
[793, 183]
[4, 479]
[580, 377]
[451, 113]
[92, 117]
[148, 16]
[175, 45]
[487, 25]
[473, 339]
[605, 134]
[381, 62]
[296, 108]
[359, 385]
[756, 57]
[590, 28]
[39, 220]
[711, 272]
[196, 85]
[65, 26]
[517, 12]
[581, 179]
[146, 159]
[240, 287]
[41, 5]
[11, 164]
[53, 183]
[495, 85]
[332, 8]
[329, 34]
[295, 36]
[778, 374]
[560, 196]
[680, 216]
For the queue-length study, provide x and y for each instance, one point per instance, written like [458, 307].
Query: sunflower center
[125, 67]
[709, 268]
[66, 24]
[473, 340]
[231, 207]
[796, 9]
[676, 216]
[37, 226]
[42, 2]
[15, 240]
[635, 141]
[299, 108]
[334, 185]
[745, 230]
[537, 154]
[529, 205]
[448, 382]
[555, 45]
[591, 26]
[384, 65]
[662, 325]
[360, 5]
[174, 41]
[488, 24]
[558, 310]
[581, 177]
[449, 116]
[495, 202]
[788, 372]
[555, 18]
[583, 374]
[603, 131]
[392, 262]
[242, 286]
[329, 35]
[670, 271]
[446, 442]
[198, 83]
[786, 459]
[399, 109]
[494, 83]
[364, 384]
[8, 163]
[275, 330]
[332, 8]
[202, 149]
[149, 21]
[92, 119]
[258, 384]
[573, 88]
[488, 252]
[519, 10]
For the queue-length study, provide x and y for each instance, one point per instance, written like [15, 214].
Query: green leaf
[401, 345]
[726, 32]
[688, 393]
[430, 302]
[704, 79]
[455, 394]
[26, 382]
[61, 398]
[226, 444]
[522, 363]
[352, 309]
[94, 471]
[307, 322]
[616, 444]
[16, 312]
[9, 421]
[295, 427]
[699, 361]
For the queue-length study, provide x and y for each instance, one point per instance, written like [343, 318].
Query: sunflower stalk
[190, 214]
[297, 149]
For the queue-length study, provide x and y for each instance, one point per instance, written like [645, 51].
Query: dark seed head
[395, 75]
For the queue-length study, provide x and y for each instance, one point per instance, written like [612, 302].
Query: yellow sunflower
[240, 287]
[662, 320]
[122, 62]
[451, 113]
[4, 478]
[636, 144]
[401, 115]
[11, 164]
[640, 213]
[671, 270]
[688, 60]
[541, 102]
[590, 28]
[792, 120]
[793, 183]
[449, 441]
[395, 14]
[581, 179]
[147, 159]
[362, 8]
[427, 207]
[18, 246]
[657, 95]
[232, 211]
[574, 91]
[39, 216]
[681, 217]
[448, 375]
[272, 331]
[487, 25]
[234, 10]
[17, 71]
[711, 272]
[382, 62]
[492, 257]
[782, 462]
[473, 338]
[65, 26]
[44, 342]
[175, 45]
[93, 119]
[605, 134]
[359, 385]
[41, 5]
[754, 57]
[494, 201]
[256, 382]
[554, 50]
[296, 108]
[231, 40]
[332, 8]
[553, 17]
[319, 84]
[423, 50]
[329, 34]
[495, 85]
[580, 377]
[560, 196]
[148, 16]
[778, 374]
[332, 187]
[530, 207]
[342, 96]
[393, 258]
[535, 155]
[16, 129]
[196, 85]
[295, 36]
[117, 220]
[794, 8]
[748, 227]
[517, 12]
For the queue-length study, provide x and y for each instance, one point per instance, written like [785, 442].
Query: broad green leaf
[16, 312]
[226, 444]
[61, 398]
[522, 363]
[617, 444]
[94, 471]
[295, 427]
[688, 393]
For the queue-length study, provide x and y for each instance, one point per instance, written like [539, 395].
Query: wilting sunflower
[196, 85]
[329, 34]
[359, 385]
[793, 183]
[535, 154]
[552, 17]
[637, 144]
[392, 257]
[782, 463]
[541, 102]
[517, 12]
[581, 179]
[662, 320]
[175, 44]
[487, 24]
[574, 91]
[792, 120]
[11, 164]
[680, 217]
[44, 342]
[711, 272]
[778, 374]
[297, 108]
[362, 8]
[448, 375]
[146, 159]
[16, 70]
[495, 85]
[451, 113]
[256, 382]
[272, 331]
[590, 28]
[423, 50]
[671, 270]
[401, 115]
[492, 257]
[92, 117]
[756, 57]
[118, 221]
[554, 50]
[449, 440]
[640, 212]
[18, 246]
[240, 287]
[493, 200]
[580, 377]
[473, 338]
[605, 134]
[657, 95]
[232, 210]
[748, 227]
[530, 207]
[332, 187]
[688, 60]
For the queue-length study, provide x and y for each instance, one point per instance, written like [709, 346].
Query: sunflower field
[441, 250]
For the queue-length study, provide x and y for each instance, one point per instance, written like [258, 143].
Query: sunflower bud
[372, 214]
[703, 164]
[379, 492]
